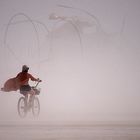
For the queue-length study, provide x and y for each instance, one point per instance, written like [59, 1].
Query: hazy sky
[87, 55]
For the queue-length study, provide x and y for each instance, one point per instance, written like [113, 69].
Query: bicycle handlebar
[38, 83]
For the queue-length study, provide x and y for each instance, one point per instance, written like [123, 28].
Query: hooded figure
[20, 81]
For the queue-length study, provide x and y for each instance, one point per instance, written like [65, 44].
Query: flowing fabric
[10, 85]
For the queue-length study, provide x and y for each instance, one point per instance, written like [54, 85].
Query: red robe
[10, 85]
[13, 84]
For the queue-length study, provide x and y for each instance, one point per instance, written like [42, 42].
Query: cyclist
[22, 80]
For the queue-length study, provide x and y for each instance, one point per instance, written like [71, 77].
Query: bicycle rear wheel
[22, 107]
[35, 107]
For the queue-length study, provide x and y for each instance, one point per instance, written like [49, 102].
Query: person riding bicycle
[22, 80]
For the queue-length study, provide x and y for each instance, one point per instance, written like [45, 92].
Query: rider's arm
[33, 78]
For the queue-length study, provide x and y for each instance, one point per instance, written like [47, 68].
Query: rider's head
[25, 68]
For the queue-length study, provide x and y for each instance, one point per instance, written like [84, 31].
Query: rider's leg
[32, 93]
[26, 102]
[26, 98]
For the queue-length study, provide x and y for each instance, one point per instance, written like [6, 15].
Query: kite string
[31, 21]
[95, 19]
[7, 31]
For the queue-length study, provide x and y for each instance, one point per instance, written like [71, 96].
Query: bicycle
[24, 106]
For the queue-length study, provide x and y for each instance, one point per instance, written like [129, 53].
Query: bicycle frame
[25, 105]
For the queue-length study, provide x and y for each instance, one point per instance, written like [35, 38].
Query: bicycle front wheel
[35, 107]
[22, 107]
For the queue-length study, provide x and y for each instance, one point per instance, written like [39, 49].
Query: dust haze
[86, 53]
